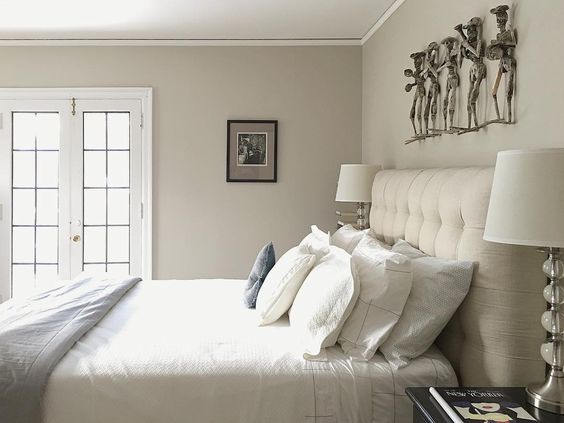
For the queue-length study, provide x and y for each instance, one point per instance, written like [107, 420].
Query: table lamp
[355, 186]
[527, 208]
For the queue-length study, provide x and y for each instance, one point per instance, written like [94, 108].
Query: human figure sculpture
[431, 72]
[451, 63]
[472, 48]
[419, 84]
[502, 49]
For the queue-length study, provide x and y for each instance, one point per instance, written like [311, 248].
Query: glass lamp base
[361, 221]
[547, 395]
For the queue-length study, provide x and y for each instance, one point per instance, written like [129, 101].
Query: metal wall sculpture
[502, 49]
[451, 63]
[450, 55]
[419, 96]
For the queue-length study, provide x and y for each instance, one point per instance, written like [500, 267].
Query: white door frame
[145, 96]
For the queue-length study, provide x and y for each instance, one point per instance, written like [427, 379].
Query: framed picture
[252, 150]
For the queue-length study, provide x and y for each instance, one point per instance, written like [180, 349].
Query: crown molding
[389, 12]
[146, 42]
[242, 42]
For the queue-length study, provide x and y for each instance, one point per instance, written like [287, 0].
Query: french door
[71, 190]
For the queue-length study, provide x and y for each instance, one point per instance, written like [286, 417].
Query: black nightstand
[426, 409]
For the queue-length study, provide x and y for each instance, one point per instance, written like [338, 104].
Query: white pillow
[385, 281]
[347, 237]
[317, 242]
[324, 302]
[439, 287]
[282, 283]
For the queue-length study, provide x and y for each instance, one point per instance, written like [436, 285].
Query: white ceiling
[190, 19]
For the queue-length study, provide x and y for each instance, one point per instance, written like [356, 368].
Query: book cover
[471, 405]
[347, 215]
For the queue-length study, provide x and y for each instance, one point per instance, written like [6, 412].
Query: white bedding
[187, 351]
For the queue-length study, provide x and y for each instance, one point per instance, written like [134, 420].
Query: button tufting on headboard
[494, 338]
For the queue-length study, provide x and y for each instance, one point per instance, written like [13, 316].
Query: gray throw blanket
[36, 333]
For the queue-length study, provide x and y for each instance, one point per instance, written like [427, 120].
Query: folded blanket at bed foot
[36, 333]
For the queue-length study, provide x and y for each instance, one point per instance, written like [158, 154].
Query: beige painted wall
[203, 226]
[539, 95]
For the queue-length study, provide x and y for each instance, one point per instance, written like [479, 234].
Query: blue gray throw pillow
[264, 262]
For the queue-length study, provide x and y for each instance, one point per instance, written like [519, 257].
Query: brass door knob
[76, 238]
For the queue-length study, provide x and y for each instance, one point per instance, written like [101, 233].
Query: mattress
[188, 351]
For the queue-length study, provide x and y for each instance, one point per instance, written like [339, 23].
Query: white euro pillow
[439, 287]
[385, 280]
[347, 237]
[282, 283]
[316, 242]
[323, 303]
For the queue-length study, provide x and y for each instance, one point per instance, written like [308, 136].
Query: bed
[187, 351]
[164, 355]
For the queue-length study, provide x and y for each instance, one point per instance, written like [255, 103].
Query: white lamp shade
[527, 199]
[355, 183]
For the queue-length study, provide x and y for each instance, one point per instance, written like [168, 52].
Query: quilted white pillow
[439, 287]
[317, 242]
[282, 283]
[324, 302]
[385, 281]
[347, 237]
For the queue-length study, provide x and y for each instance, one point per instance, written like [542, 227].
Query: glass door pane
[106, 191]
[35, 200]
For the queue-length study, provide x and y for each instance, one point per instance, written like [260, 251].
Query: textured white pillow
[282, 283]
[347, 237]
[439, 287]
[385, 281]
[316, 242]
[324, 302]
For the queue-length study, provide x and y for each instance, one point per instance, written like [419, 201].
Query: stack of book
[471, 405]
[345, 218]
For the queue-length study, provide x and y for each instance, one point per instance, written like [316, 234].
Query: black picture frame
[264, 166]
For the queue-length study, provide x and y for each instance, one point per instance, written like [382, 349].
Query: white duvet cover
[187, 351]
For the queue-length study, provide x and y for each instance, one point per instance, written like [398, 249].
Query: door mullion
[76, 231]
[65, 161]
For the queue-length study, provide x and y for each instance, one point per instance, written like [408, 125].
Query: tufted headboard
[494, 338]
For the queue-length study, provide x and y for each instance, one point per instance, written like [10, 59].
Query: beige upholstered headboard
[494, 339]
